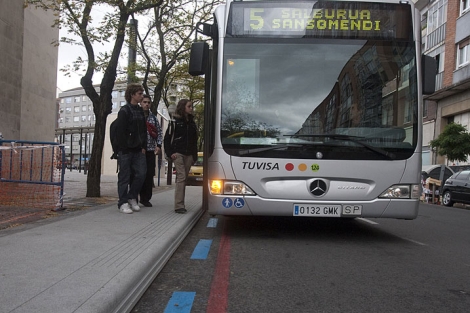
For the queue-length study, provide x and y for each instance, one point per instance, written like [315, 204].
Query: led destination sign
[320, 19]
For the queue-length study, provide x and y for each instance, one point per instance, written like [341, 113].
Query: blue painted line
[212, 223]
[202, 249]
[180, 302]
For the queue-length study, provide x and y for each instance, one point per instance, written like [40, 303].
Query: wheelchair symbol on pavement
[239, 203]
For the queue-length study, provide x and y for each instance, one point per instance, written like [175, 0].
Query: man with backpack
[129, 139]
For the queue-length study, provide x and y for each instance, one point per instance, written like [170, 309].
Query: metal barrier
[31, 174]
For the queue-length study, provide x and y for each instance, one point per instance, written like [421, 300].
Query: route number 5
[257, 21]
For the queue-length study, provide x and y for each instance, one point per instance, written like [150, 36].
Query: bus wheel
[446, 199]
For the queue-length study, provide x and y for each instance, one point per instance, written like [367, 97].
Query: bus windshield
[319, 98]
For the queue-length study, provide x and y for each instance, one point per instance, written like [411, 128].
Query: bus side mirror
[429, 71]
[199, 58]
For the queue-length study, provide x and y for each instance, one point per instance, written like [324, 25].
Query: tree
[165, 46]
[453, 142]
[76, 16]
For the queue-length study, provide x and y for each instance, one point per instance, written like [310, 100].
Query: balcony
[436, 37]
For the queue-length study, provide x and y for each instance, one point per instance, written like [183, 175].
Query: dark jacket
[131, 129]
[184, 138]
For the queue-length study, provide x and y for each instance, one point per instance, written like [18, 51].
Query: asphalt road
[259, 264]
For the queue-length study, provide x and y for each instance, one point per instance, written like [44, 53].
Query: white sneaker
[134, 206]
[124, 208]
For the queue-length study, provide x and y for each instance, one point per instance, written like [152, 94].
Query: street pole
[131, 64]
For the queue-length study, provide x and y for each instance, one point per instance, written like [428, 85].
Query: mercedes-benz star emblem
[318, 187]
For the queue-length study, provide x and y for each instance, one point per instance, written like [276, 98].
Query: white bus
[313, 108]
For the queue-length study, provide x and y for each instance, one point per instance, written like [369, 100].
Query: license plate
[199, 179]
[317, 210]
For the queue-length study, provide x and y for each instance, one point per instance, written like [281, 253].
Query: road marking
[414, 241]
[212, 223]
[180, 302]
[218, 297]
[367, 221]
[202, 249]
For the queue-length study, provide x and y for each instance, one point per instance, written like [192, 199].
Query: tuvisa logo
[267, 166]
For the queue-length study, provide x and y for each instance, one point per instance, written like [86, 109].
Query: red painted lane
[218, 298]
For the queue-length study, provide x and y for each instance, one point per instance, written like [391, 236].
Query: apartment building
[445, 26]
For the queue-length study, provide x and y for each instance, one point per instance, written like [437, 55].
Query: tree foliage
[453, 142]
[77, 16]
[164, 47]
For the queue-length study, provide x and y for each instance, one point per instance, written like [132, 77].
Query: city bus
[313, 108]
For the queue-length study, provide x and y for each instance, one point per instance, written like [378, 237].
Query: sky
[68, 54]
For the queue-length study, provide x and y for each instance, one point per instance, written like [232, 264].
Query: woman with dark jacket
[180, 145]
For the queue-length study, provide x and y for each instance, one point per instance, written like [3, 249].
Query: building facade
[28, 72]
[445, 26]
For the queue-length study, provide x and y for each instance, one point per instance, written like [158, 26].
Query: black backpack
[170, 132]
[113, 133]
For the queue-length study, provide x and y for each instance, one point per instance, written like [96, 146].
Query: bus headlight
[220, 187]
[401, 192]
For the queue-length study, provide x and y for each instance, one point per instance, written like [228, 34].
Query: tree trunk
[94, 168]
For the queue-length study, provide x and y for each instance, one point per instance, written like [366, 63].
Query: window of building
[67, 119]
[90, 108]
[89, 118]
[61, 120]
[440, 62]
[463, 57]
[76, 109]
[464, 6]
[123, 93]
[68, 100]
[123, 103]
[76, 99]
[114, 94]
[408, 113]
[84, 98]
[424, 21]
[61, 110]
[114, 105]
[387, 111]
[83, 118]
[84, 108]
[62, 100]
[76, 118]
[68, 110]
[437, 15]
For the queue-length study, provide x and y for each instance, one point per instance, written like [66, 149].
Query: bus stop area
[431, 187]
[89, 257]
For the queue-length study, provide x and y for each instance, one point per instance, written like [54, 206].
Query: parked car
[457, 189]
[195, 175]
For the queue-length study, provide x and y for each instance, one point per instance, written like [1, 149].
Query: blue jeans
[132, 163]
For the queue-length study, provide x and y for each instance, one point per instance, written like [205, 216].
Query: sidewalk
[95, 259]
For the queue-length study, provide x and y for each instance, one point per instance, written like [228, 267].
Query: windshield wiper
[355, 139]
[256, 150]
